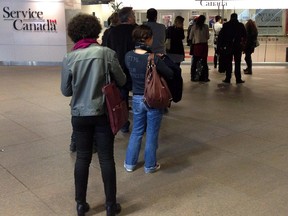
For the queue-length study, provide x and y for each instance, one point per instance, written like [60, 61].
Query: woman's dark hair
[251, 26]
[217, 18]
[178, 22]
[200, 21]
[141, 33]
[83, 26]
[113, 19]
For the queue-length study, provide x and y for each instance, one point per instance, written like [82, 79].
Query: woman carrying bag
[145, 118]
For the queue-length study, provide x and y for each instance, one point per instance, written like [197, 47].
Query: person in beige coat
[199, 37]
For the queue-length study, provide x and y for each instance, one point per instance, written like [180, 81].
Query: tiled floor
[223, 150]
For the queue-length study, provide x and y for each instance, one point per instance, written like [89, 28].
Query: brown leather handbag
[156, 94]
[116, 106]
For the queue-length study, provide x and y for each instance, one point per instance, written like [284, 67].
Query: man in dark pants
[120, 40]
[231, 42]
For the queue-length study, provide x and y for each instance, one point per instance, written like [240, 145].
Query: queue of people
[123, 54]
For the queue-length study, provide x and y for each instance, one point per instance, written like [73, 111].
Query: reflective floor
[223, 150]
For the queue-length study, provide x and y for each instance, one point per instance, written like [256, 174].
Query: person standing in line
[159, 32]
[145, 119]
[113, 21]
[216, 28]
[120, 40]
[199, 36]
[176, 35]
[252, 34]
[231, 41]
[191, 23]
[82, 77]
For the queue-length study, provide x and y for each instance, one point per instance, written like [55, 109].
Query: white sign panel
[32, 31]
[204, 4]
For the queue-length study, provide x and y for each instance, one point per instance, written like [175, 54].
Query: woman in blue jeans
[145, 119]
[82, 77]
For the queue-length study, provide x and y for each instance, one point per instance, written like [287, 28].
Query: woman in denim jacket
[144, 118]
[82, 77]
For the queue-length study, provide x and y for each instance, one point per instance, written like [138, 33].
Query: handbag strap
[151, 61]
[108, 77]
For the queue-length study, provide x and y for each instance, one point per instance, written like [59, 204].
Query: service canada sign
[29, 20]
[212, 3]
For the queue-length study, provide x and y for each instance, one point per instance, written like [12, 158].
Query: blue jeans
[85, 129]
[144, 119]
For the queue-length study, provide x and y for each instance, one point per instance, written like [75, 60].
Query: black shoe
[205, 80]
[245, 70]
[72, 147]
[113, 210]
[248, 71]
[82, 209]
[226, 81]
[125, 128]
[240, 81]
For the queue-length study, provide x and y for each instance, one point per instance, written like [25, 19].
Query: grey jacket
[83, 76]
[159, 36]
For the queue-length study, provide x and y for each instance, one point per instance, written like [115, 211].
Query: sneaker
[127, 168]
[153, 169]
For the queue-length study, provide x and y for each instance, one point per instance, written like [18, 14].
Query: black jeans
[85, 128]
[248, 60]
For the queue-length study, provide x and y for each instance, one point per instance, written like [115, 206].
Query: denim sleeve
[66, 79]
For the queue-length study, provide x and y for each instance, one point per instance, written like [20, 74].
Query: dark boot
[82, 209]
[113, 210]
[248, 71]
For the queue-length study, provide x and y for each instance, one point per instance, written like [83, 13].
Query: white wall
[21, 42]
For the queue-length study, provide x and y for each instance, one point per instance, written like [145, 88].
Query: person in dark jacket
[113, 21]
[231, 42]
[120, 40]
[176, 35]
[252, 34]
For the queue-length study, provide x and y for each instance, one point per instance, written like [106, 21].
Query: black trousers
[236, 55]
[248, 60]
[84, 129]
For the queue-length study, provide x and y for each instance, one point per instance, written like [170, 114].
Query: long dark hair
[251, 26]
[200, 21]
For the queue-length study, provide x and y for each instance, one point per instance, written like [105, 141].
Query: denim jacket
[83, 76]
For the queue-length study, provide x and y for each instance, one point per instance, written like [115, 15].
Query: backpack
[156, 93]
